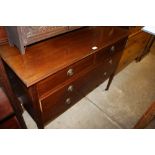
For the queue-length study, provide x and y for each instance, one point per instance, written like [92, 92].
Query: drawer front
[59, 101]
[58, 78]
[106, 54]
[63, 98]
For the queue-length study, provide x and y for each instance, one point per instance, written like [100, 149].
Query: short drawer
[59, 101]
[58, 78]
[110, 51]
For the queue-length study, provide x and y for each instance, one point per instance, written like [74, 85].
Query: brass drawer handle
[70, 72]
[112, 49]
[110, 61]
[105, 73]
[70, 88]
[68, 101]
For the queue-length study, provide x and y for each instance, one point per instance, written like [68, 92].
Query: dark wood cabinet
[54, 74]
[10, 108]
[3, 35]
[138, 45]
[8, 119]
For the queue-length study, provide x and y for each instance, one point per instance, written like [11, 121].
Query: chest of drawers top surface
[47, 57]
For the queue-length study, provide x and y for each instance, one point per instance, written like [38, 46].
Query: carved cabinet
[21, 36]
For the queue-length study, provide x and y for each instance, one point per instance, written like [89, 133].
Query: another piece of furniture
[10, 107]
[21, 36]
[3, 35]
[8, 118]
[146, 118]
[56, 73]
[150, 113]
[138, 45]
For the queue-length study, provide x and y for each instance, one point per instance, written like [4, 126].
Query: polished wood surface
[57, 79]
[46, 58]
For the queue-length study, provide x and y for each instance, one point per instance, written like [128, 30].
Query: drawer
[60, 100]
[63, 98]
[68, 73]
[110, 51]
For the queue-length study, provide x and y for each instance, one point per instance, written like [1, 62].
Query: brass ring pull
[112, 48]
[68, 101]
[70, 72]
[110, 61]
[105, 73]
[70, 88]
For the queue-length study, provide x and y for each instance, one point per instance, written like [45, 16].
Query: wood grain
[46, 58]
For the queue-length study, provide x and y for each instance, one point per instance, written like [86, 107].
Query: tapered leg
[109, 82]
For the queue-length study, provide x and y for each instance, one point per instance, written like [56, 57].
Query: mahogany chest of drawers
[54, 74]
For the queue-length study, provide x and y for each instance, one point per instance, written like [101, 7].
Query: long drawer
[60, 100]
[69, 72]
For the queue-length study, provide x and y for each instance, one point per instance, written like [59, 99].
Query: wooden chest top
[47, 57]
